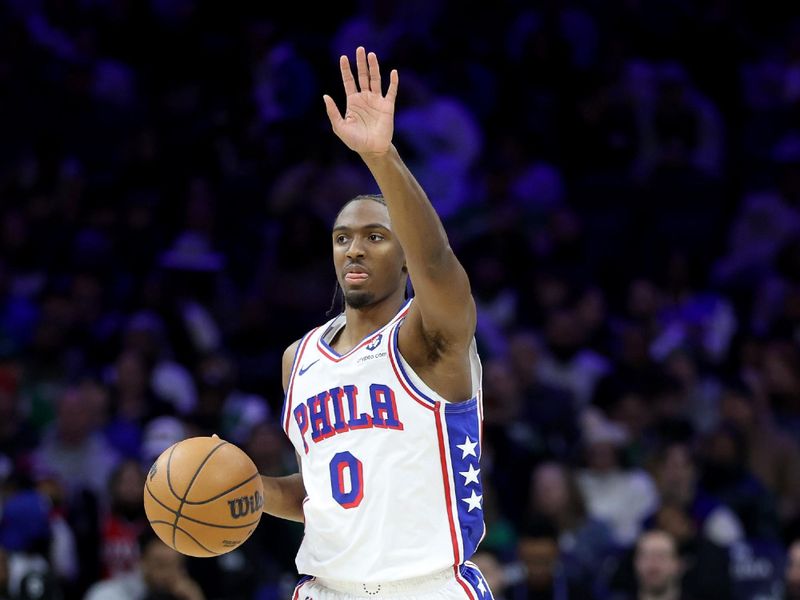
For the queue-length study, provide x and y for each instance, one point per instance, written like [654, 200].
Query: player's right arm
[283, 496]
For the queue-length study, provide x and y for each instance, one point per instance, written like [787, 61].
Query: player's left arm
[442, 297]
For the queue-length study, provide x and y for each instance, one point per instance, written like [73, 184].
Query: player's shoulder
[290, 351]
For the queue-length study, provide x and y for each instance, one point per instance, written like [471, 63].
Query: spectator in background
[159, 434]
[73, 449]
[122, 520]
[170, 381]
[726, 477]
[132, 404]
[676, 475]
[658, 568]
[565, 362]
[618, 496]
[766, 219]
[585, 543]
[161, 573]
[18, 438]
[25, 547]
[792, 572]
[443, 140]
[544, 575]
[549, 410]
[773, 454]
[222, 407]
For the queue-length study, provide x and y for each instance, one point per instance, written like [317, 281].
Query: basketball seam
[183, 531]
[189, 487]
[169, 480]
[199, 522]
[220, 495]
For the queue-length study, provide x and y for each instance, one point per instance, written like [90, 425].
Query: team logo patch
[376, 341]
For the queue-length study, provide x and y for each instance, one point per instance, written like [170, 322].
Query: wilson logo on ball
[246, 505]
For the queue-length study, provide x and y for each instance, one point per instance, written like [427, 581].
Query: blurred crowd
[620, 178]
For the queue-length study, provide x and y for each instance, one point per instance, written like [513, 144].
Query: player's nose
[356, 248]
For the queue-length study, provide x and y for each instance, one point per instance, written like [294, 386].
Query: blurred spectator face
[676, 523]
[682, 367]
[656, 562]
[592, 308]
[633, 413]
[160, 565]
[565, 333]
[131, 373]
[551, 291]
[523, 354]
[95, 398]
[501, 380]
[781, 366]
[676, 475]
[539, 556]
[75, 418]
[602, 456]
[737, 410]
[126, 489]
[550, 489]
[643, 299]
[793, 571]
[722, 449]
[87, 293]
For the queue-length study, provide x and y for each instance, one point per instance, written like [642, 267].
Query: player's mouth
[355, 274]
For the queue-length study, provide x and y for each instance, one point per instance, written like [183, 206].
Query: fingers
[374, 73]
[333, 113]
[347, 76]
[369, 75]
[362, 68]
[394, 80]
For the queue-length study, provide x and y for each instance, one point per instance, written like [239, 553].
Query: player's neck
[360, 322]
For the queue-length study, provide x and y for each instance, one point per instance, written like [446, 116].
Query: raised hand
[368, 122]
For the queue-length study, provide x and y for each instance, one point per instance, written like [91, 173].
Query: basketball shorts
[467, 584]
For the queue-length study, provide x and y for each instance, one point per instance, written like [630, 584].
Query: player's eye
[341, 239]
[375, 237]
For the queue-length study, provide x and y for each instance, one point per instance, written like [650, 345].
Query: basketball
[203, 496]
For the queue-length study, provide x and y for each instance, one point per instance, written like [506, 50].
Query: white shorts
[466, 583]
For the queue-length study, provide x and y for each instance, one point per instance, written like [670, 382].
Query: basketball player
[383, 401]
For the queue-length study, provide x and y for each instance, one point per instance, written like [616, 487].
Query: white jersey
[391, 469]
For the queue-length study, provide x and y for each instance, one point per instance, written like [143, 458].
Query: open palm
[368, 121]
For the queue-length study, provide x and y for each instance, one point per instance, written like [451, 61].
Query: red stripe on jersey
[402, 380]
[297, 359]
[446, 483]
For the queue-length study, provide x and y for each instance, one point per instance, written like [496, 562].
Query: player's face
[368, 258]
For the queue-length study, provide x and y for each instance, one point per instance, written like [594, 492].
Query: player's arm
[283, 496]
[443, 299]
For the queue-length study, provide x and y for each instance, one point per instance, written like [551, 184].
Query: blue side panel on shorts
[463, 431]
[475, 578]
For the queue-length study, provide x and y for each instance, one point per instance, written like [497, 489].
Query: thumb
[333, 112]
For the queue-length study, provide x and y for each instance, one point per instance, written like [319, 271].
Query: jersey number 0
[348, 498]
